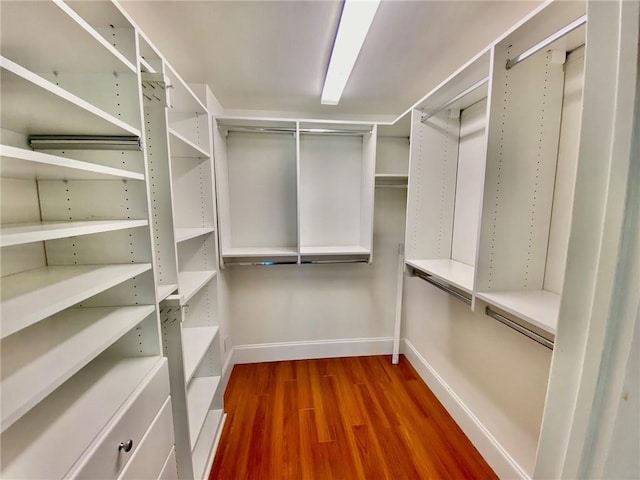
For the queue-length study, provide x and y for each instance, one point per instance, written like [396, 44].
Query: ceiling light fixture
[355, 21]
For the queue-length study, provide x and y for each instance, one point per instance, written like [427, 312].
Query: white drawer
[104, 459]
[170, 469]
[149, 459]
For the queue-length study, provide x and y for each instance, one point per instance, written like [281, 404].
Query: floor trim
[348, 347]
[493, 452]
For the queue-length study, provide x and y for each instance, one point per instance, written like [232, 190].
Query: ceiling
[272, 56]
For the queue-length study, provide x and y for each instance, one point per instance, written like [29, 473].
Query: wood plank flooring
[340, 418]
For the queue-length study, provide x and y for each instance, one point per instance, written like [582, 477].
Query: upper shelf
[33, 105]
[180, 146]
[20, 233]
[249, 252]
[50, 36]
[28, 297]
[181, 96]
[184, 234]
[27, 164]
[36, 360]
[334, 250]
[190, 283]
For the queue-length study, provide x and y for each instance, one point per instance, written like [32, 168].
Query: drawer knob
[126, 446]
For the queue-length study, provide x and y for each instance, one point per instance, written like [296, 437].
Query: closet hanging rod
[322, 262]
[512, 62]
[472, 88]
[85, 142]
[259, 264]
[519, 328]
[441, 286]
[316, 131]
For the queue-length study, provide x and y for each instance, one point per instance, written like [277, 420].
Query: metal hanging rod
[259, 264]
[322, 262]
[441, 286]
[519, 328]
[512, 62]
[84, 142]
[316, 131]
[472, 88]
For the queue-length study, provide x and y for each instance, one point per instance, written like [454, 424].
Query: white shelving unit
[80, 338]
[178, 133]
[448, 152]
[293, 192]
[491, 181]
[531, 170]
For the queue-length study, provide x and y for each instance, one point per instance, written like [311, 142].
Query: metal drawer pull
[126, 446]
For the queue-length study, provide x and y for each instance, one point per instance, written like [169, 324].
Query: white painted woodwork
[195, 344]
[107, 382]
[184, 234]
[447, 270]
[169, 469]
[57, 348]
[148, 459]
[27, 164]
[33, 295]
[101, 458]
[24, 92]
[16, 234]
[203, 456]
[181, 146]
[200, 394]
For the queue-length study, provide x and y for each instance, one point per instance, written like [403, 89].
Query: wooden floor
[343, 418]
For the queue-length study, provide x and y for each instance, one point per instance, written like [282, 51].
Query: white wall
[293, 303]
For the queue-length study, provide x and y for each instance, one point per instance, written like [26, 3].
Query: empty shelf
[180, 146]
[454, 273]
[182, 97]
[203, 451]
[199, 397]
[337, 250]
[64, 42]
[31, 104]
[195, 343]
[27, 164]
[163, 291]
[190, 283]
[42, 433]
[19, 233]
[183, 234]
[146, 66]
[36, 360]
[260, 252]
[538, 307]
[28, 297]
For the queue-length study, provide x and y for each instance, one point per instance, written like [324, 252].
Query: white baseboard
[348, 347]
[493, 452]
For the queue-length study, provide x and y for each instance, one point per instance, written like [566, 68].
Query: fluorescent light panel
[356, 19]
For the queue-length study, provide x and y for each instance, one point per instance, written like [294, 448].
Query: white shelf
[96, 393]
[64, 41]
[37, 360]
[20, 233]
[180, 146]
[27, 164]
[31, 104]
[335, 250]
[209, 436]
[454, 273]
[146, 66]
[163, 291]
[190, 283]
[28, 297]
[199, 397]
[182, 97]
[195, 343]
[260, 252]
[538, 307]
[183, 234]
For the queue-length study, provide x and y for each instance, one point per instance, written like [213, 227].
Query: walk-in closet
[220, 261]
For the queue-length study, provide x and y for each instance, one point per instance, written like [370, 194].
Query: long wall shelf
[58, 348]
[16, 234]
[27, 164]
[30, 296]
[24, 92]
